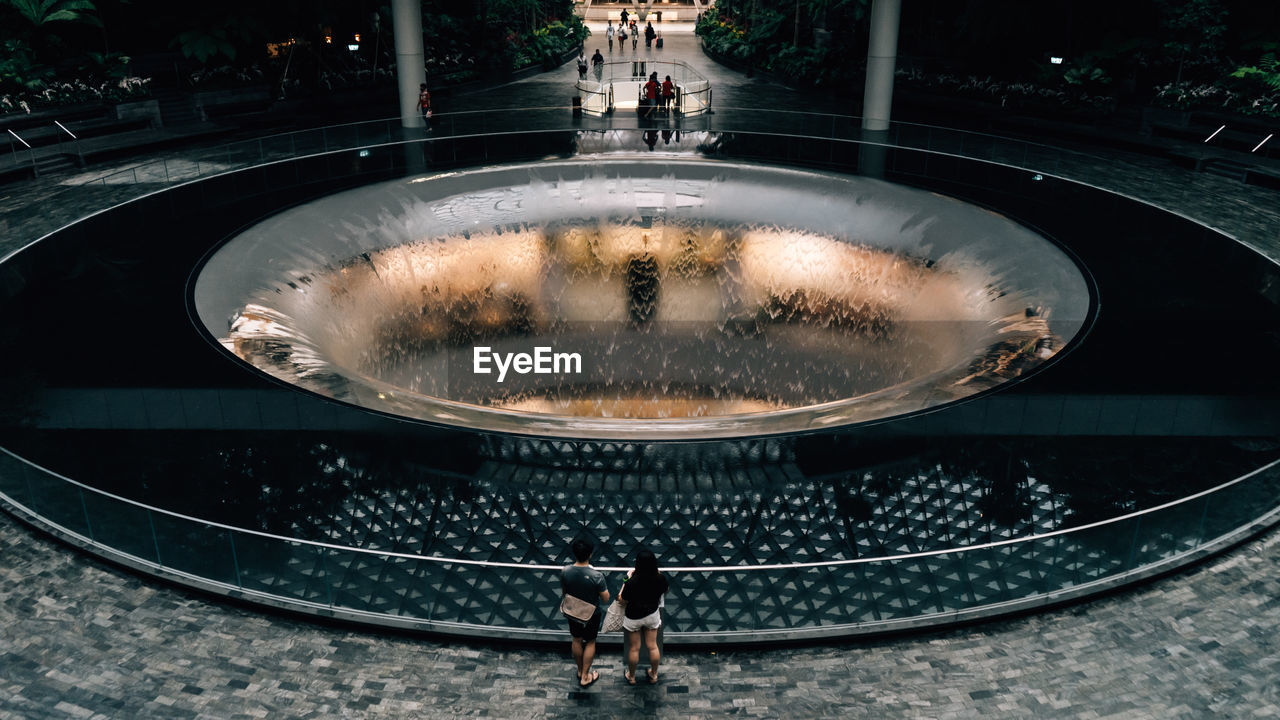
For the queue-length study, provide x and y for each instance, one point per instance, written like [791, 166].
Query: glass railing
[197, 164]
[787, 599]
[800, 128]
[619, 85]
[777, 600]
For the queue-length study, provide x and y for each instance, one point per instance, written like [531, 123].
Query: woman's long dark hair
[646, 566]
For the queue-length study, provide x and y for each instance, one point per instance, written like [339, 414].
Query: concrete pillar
[411, 69]
[882, 55]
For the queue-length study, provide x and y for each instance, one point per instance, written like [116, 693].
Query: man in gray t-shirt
[585, 583]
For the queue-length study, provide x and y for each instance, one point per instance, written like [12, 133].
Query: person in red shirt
[424, 103]
[668, 94]
[651, 94]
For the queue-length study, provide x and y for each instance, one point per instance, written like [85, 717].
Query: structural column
[882, 56]
[411, 70]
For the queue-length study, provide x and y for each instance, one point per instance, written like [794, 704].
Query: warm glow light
[357, 37]
[328, 39]
[680, 311]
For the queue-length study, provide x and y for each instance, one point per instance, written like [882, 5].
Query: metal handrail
[24, 142]
[692, 568]
[31, 153]
[65, 130]
[457, 115]
[393, 124]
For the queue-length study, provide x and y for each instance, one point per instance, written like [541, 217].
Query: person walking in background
[424, 103]
[597, 64]
[585, 583]
[668, 94]
[635, 35]
[642, 592]
[624, 17]
[582, 64]
[609, 34]
[649, 35]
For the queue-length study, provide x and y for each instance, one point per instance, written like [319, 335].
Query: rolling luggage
[659, 42]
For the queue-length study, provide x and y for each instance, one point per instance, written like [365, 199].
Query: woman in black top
[643, 591]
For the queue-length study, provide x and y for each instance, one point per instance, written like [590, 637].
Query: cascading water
[671, 299]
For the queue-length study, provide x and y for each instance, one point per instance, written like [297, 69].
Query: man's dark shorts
[586, 631]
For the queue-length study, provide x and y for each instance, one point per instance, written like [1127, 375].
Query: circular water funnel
[642, 299]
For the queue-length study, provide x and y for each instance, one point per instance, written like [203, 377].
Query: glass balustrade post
[235, 559]
[31, 490]
[1133, 542]
[155, 540]
[84, 507]
[324, 570]
[1204, 515]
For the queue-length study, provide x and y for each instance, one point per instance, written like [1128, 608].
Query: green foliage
[855, 10]
[804, 66]
[1250, 90]
[205, 45]
[1025, 97]
[546, 45]
[222, 35]
[42, 12]
[19, 69]
[110, 64]
[723, 38]
[1221, 96]
[1195, 32]
[73, 92]
[763, 36]
[1087, 76]
[1266, 72]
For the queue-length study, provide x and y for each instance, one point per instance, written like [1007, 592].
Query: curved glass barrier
[781, 601]
[196, 164]
[749, 602]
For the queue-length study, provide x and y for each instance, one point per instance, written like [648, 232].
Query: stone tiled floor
[78, 639]
[81, 639]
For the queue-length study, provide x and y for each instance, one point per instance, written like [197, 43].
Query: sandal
[595, 675]
[631, 679]
[653, 676]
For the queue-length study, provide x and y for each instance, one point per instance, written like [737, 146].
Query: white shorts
[652, 621]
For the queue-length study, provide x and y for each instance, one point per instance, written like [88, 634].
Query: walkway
[81, 639]
[731, 89]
